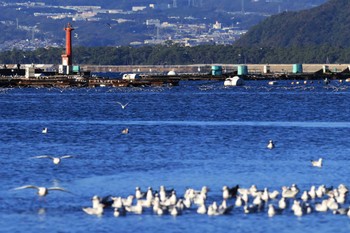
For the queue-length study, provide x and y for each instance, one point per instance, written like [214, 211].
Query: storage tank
[242, 70]
[325, 69]
[267, 69]
[216, 70]
[30, 72]
[63, 69]
[297, 68]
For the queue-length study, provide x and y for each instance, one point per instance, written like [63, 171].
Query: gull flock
[289, 200]
[233, 199]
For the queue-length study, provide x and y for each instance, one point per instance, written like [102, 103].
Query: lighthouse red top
[68, 30]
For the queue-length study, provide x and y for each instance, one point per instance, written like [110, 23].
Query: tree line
[174, 54]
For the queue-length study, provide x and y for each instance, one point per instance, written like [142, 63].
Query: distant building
[155, 22]
[138, 8]
[217, 25]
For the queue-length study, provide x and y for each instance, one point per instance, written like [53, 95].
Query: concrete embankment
[206, 68]
[196, 68]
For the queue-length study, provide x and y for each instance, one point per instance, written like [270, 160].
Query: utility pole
[157, 33]
[242, 6]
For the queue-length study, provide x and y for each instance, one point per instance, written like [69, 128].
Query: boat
[233, 81]
[272, 83]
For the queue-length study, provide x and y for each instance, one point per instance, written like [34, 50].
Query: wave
[302, 124]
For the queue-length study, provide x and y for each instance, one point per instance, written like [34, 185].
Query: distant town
[38, 25]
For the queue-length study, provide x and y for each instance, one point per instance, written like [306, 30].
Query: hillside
[29, 25]
[227, 5]
[328, 24]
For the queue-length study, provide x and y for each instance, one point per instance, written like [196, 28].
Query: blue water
[196, 134]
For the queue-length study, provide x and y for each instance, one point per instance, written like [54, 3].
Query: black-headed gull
[98, 211]
[123, 105]
[125, 131]
[271, 145]
[42, 191]
[317, 163]
[55, 160]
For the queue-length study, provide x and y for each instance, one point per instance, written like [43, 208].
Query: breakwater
[206, 68]
[46, 76]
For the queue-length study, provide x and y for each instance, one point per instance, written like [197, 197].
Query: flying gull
[55, 160]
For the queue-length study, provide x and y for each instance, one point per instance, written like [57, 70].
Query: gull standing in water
[98, 211]
[317, 163]
[55, 160]
[42, 191]
[271, 145]
[125, 131]
[139, 194]
[123, 105]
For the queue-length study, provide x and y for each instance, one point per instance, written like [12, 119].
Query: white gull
[55, 160]
[270, 145]
[42, 191]
[123, 105]
[317, 163]
[98, 211]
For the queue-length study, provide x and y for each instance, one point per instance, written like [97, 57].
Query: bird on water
[44, 130]
[317, 163]
[125, 131]
[271, 145]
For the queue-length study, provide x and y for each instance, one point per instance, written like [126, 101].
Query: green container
[297, 68]
[216, 70]
[76, 68]
[242, 70]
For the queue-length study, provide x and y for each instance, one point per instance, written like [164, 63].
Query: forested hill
[328, 24]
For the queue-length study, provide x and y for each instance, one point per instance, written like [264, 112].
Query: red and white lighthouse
[67, 57]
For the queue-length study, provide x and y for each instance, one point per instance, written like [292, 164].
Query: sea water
[189, 136]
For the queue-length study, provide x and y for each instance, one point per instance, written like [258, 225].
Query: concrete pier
[197, 68]
[206, 68]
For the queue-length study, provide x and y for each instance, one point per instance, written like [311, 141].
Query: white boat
[233, 81]
[130, 76]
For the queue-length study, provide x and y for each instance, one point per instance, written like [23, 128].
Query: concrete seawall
[195, 68]
[206, 68]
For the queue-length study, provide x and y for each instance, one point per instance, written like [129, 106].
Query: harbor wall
[206, 68]
[199, 68]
